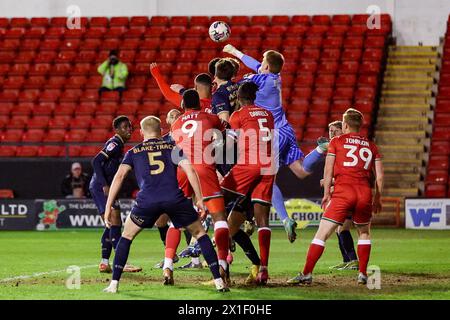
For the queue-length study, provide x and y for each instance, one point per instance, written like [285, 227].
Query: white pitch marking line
[38, 274]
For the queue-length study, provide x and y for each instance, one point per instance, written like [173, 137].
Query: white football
[219, 31]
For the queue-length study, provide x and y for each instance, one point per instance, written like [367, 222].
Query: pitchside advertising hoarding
[427, 214]
[69, 213]
[17, 215]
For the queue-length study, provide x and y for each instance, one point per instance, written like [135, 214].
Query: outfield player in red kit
[351, 160]
[254, 174]
[193, 132]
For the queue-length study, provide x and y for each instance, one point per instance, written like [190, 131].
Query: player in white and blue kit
[268, 97]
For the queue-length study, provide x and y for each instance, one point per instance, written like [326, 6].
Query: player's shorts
[180, 211]
[209, 182]
[248, 181]
[350, 199]
[184, 184]
[100, 199]
[288, 150]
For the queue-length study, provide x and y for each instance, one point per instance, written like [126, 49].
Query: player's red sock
[364, 247]
[173, 238]
[264, 235]
[314, 253]
[222, 238]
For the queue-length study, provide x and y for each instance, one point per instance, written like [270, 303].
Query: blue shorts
[181, 213]
[100, 199]
[288, 150]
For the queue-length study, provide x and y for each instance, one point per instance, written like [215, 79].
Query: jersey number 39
[365, 155]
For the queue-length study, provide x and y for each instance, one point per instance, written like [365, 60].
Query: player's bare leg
[349, 257]
[197, 231]
[167, 236]
[262, 212]
[326, 229]
[364, 247]
[172, 242]
[131, 230]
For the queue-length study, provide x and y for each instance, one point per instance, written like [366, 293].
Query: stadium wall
[414, 21]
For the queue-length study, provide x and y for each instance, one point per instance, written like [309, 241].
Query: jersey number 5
[154, 162]
[364, 154]
[262, 128]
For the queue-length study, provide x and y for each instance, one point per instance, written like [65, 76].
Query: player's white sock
[168, 264]
[105, 261]
[113, 287]
[195, 260]
[223, 264]
[219, 283]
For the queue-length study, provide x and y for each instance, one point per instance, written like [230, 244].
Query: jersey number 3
[365, 155]
[155, 162]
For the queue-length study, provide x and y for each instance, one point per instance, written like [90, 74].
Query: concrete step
[400, 168]
[392, 162]
[402, 156]
[412, 60]
[395, 134]
[394, 105]
[398, 183]
[397, 49]
[402, 127]
[411, 68]
[400, 86]
[404, 100]
[414, 148]
[403, 119]
[401, 192]
[404, 111]
[409, 177]
[407, 92]
[379, 139]
[410, 73]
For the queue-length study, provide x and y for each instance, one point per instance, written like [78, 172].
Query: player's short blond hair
[275, 60]
[353, 118]
[151, 124]
[337, 124]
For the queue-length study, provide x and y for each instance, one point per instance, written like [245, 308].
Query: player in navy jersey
[224, 97]
[105, 164]
[268, 79]
[155, 162]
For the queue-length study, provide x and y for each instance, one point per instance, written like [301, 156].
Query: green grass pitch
[414, 265]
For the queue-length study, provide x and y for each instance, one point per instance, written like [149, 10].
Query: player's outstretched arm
[170, 95]
[247, 60]
[114, 190]
[327, 179]
[379, 184]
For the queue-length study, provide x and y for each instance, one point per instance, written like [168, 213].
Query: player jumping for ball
[268, 97]
[351, 160]
[155, 164]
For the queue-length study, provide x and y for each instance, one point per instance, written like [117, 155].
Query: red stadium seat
[263, 20]
[346, 80]
[119, 22]
[39, 22]
[438, 163]
[54, 135]
[33, 135]
[199, 21]
[65, 108]
[38, 122]
[179, 21]
[301, 20]
[97, 135]
[51, 151]
[354, 42]
[127, 108]
[341, 19]
[8, 151]
[89, 151]
[325, 80]
[321, 20]
[333, 42]
[343, 93]
[159, 21]
[76, 135]
[27, 151]
[437, 177]
[435, 190]
[12, 135]
[239, 20]
[348, 67]
[280, 20]
[440, 147]
[441, 119]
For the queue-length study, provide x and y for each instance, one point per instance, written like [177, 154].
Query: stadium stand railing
[49, 105]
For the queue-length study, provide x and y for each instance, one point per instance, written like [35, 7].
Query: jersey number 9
[155, 162]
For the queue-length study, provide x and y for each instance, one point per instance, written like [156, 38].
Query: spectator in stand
[76, 183]
[114, 74]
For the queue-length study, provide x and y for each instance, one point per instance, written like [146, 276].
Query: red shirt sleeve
[332, 146]
[169, 94]
[235, 120]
